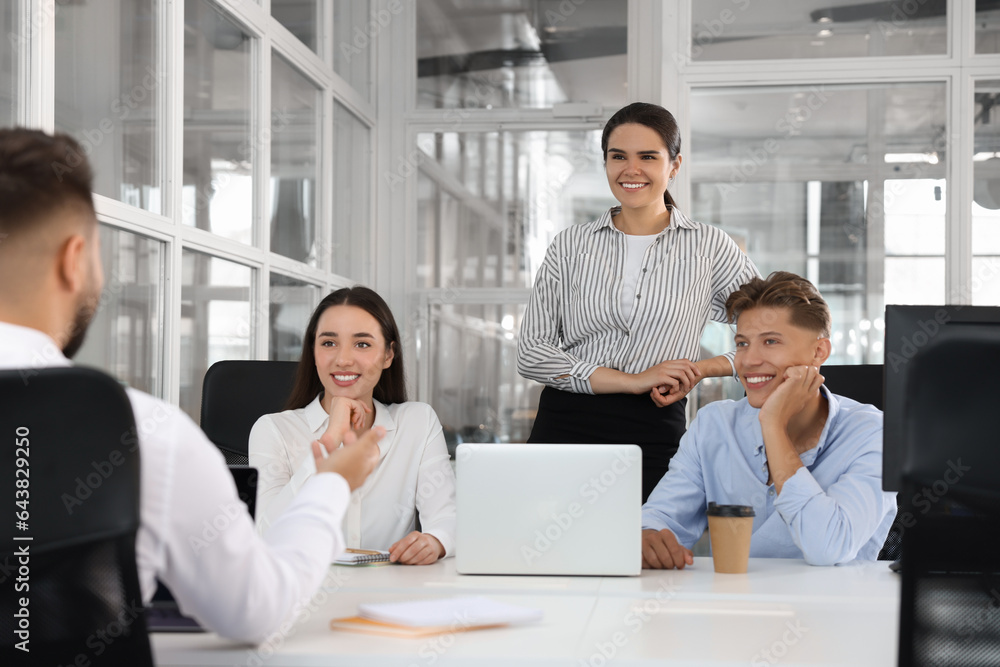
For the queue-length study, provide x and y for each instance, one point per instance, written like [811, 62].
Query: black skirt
[566, 417]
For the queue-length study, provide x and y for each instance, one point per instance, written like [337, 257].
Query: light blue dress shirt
[832, 510]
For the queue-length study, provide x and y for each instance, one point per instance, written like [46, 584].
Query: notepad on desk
[362, 557]
[424, 618]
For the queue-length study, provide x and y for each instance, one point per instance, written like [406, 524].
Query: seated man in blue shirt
[808, 461]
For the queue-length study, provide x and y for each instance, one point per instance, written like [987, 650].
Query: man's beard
[84, 314]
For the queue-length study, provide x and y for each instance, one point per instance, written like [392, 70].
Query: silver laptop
[549, 509]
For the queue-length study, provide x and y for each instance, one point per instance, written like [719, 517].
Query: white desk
[783, 612]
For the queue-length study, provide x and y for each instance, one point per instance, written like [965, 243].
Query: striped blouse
[573, 324]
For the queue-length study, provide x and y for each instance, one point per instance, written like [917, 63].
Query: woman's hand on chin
[346, 414]
[416, 549]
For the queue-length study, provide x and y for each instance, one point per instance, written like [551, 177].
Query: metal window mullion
[171, 142]
[352, 100]
[681, 191]
[644, 54]
[476, 295]
[325, 184]
[324, 35]
[422, 357]
[294, 269]
[294, 51]
[874, 303]
[825, 68]
[805, 77]
[479, 120]
[393, 266]
[260, 128]
[38, 64]
[371, 251]
[250, 16]
[961, 121]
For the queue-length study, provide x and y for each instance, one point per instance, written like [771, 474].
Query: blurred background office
[253, 155]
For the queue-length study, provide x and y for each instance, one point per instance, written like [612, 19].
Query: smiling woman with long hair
[619, 305]
[350, 378]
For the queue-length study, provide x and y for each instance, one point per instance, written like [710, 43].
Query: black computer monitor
[942, 402]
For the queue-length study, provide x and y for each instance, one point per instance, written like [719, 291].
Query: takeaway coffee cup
[729, 529]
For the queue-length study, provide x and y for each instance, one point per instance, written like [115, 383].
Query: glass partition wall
[491, 199]
[831, 139]
[842, 184]
[238, 181]
[217, 168]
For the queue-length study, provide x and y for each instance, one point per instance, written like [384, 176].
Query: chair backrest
[950, 592]
[862, 382]
[71, 466]
[865, 384]
[235, 395]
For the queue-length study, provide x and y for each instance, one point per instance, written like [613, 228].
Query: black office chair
[864, 383]
[950, 597]
[235, 395]
[69, 551]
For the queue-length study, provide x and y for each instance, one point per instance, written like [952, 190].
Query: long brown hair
[391, 387]
[655, 118]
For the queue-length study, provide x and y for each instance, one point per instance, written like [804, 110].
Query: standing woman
[620, 304]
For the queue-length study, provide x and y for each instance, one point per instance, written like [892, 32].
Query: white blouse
[413, 474]
[575, 324]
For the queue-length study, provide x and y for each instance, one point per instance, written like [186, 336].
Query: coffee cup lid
[730, 510]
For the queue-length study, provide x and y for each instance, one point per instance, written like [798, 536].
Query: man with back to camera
[807, 460]
[50, 285]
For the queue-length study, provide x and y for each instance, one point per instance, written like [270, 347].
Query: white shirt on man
[413, 474]
[195, 535]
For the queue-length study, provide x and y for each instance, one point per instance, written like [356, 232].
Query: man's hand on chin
[799, 384]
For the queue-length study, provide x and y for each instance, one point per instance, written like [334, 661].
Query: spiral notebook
[362, 557]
